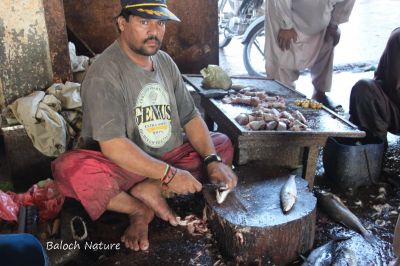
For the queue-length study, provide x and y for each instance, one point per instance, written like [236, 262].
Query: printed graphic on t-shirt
[153, 115]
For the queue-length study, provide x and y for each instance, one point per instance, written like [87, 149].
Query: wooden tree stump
[250, 225]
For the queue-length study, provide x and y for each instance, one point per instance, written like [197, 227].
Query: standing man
[302, 34]
[375, 103]
[136, 107]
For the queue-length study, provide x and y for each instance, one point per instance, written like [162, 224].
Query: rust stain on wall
[58, 41]
[92, 21]
[193, 43]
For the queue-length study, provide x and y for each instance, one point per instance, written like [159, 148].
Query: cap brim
[158, 12]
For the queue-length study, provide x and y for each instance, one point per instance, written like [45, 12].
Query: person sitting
[375, 103]
[136, 107]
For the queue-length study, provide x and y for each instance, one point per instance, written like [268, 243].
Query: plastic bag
[215, 77]
[44, 195]
[48, 199]
[8, 208]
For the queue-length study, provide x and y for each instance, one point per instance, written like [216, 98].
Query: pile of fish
[266, 114]
[255, 97]
[272, 119]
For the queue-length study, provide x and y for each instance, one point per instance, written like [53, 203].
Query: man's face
[142, 35]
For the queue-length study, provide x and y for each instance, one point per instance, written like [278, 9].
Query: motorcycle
[244, 18]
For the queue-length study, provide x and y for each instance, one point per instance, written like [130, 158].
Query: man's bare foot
[135, 236]
[149, 192]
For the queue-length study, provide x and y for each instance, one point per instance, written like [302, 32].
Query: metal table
[283, 148]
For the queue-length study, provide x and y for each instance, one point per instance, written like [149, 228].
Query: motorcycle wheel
[224, 41]
[253, 52]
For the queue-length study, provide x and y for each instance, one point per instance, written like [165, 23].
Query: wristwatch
[212, 158]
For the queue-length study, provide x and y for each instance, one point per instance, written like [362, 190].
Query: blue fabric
[21, 249]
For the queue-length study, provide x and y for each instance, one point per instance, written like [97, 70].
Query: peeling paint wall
[25, 63]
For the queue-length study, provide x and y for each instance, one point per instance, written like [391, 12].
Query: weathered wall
[58, 40]
[92, 21]
[28, 51]
[24, 49]
[193, 43]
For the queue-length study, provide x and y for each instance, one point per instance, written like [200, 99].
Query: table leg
[310, 164]
[209, 121]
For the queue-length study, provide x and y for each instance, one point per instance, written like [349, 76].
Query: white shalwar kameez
[310, 19]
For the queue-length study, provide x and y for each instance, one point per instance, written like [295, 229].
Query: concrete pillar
[26, 61]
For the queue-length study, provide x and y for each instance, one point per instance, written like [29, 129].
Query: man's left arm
[340, 14]
[199, 136]
[197, 131]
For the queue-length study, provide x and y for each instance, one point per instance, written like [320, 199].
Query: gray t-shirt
[121, 99]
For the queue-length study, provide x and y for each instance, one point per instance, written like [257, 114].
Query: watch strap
[212, 158]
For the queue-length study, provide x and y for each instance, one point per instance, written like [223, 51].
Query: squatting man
[135, 108]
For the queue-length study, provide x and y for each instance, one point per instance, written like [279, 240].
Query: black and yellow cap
[152, 9]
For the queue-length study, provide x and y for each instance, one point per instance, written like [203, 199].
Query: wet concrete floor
[377, 206]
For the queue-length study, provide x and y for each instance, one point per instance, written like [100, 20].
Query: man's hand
[221, 173]
[184, 183]
[333, 31]
[285, 38]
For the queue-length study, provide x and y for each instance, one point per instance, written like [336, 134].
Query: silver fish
[221, 191]
[288, 194]
[335, 208]
[344, 257]
[320, 256]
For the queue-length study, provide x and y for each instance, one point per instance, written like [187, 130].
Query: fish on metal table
[335, 208]
[288, 194]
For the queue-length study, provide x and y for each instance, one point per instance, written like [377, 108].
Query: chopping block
[250, 226]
